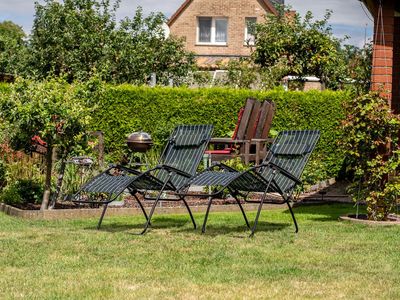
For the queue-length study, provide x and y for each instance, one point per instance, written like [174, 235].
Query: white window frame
[213, 31]
[247, 40]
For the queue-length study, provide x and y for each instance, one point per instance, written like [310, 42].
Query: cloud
[20, 12]
[349, 13]
[348, 17]
[128, 7]
[16, 6]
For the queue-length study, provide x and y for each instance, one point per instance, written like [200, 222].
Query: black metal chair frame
[262, 181]
[253, 177]
[131, 178]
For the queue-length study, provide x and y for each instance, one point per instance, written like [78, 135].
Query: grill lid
[140, 137]
[139, 141]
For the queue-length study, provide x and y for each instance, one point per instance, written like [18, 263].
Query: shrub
[22, 192]
[10, 196]
[370, 129]
[4, 87]
[57, 112]
[2, 174]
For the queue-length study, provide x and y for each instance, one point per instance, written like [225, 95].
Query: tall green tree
[12, 47]
[77, 37]
[70, 38]
[140, 48]
[304, 46]
[359, 66]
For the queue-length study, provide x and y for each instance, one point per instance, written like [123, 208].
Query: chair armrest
[268, 140]
[280, 170]
[174, 170]
[221, 166]
[224, 166]
[227, 141]
[120, 167]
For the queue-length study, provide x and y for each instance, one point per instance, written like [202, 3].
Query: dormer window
[250, 30]
[212, 30]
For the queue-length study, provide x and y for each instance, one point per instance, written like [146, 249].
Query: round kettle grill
[139, 141]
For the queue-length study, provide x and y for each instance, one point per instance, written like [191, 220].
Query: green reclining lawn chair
[178, 164]
[279, 173]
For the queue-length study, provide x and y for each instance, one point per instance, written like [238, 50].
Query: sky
[348, 16]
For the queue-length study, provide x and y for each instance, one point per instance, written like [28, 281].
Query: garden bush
[2, 174]
[4, 87]
[373, 152]
[22, 192]
[125, 109]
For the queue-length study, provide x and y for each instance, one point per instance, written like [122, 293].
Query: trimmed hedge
[4, 87]
[125, 109]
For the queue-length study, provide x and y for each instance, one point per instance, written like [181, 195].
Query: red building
[386, 55]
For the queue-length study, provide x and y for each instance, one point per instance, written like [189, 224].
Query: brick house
[217, 30]
[386, 50]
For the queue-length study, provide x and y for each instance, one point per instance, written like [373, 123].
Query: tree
[57, 112]
[12, 47]
[12, 30]
[304, 46]
[141, 48]
[70, 38]
[77, 37]
[359, 62]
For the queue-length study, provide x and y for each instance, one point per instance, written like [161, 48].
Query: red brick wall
[396, 67]
[235, 10]
[384, 70]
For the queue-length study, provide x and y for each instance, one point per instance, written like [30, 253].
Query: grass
[327, 259]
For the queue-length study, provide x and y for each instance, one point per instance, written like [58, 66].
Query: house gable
[234, 13]
[268, 7]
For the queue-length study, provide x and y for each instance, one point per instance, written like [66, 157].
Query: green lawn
[326, 259]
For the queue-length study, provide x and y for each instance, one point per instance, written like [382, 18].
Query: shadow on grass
[218, 229]
[319, 213]
[324, 212]
[160, 222]
[181, 224]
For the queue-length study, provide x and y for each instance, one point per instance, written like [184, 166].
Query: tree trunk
[47, 185]
[59, 182]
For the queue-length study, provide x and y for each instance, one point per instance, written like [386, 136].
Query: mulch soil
[337, 192]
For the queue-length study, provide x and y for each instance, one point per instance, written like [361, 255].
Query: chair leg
[190, 212]
[243, 213]
[146, 226]
[261, 204]
[142, 208]
[203, 229]
[293, 217]
[105, 206]
[258, 214]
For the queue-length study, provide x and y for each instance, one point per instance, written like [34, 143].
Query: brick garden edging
[68, 214]
[393, 220]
